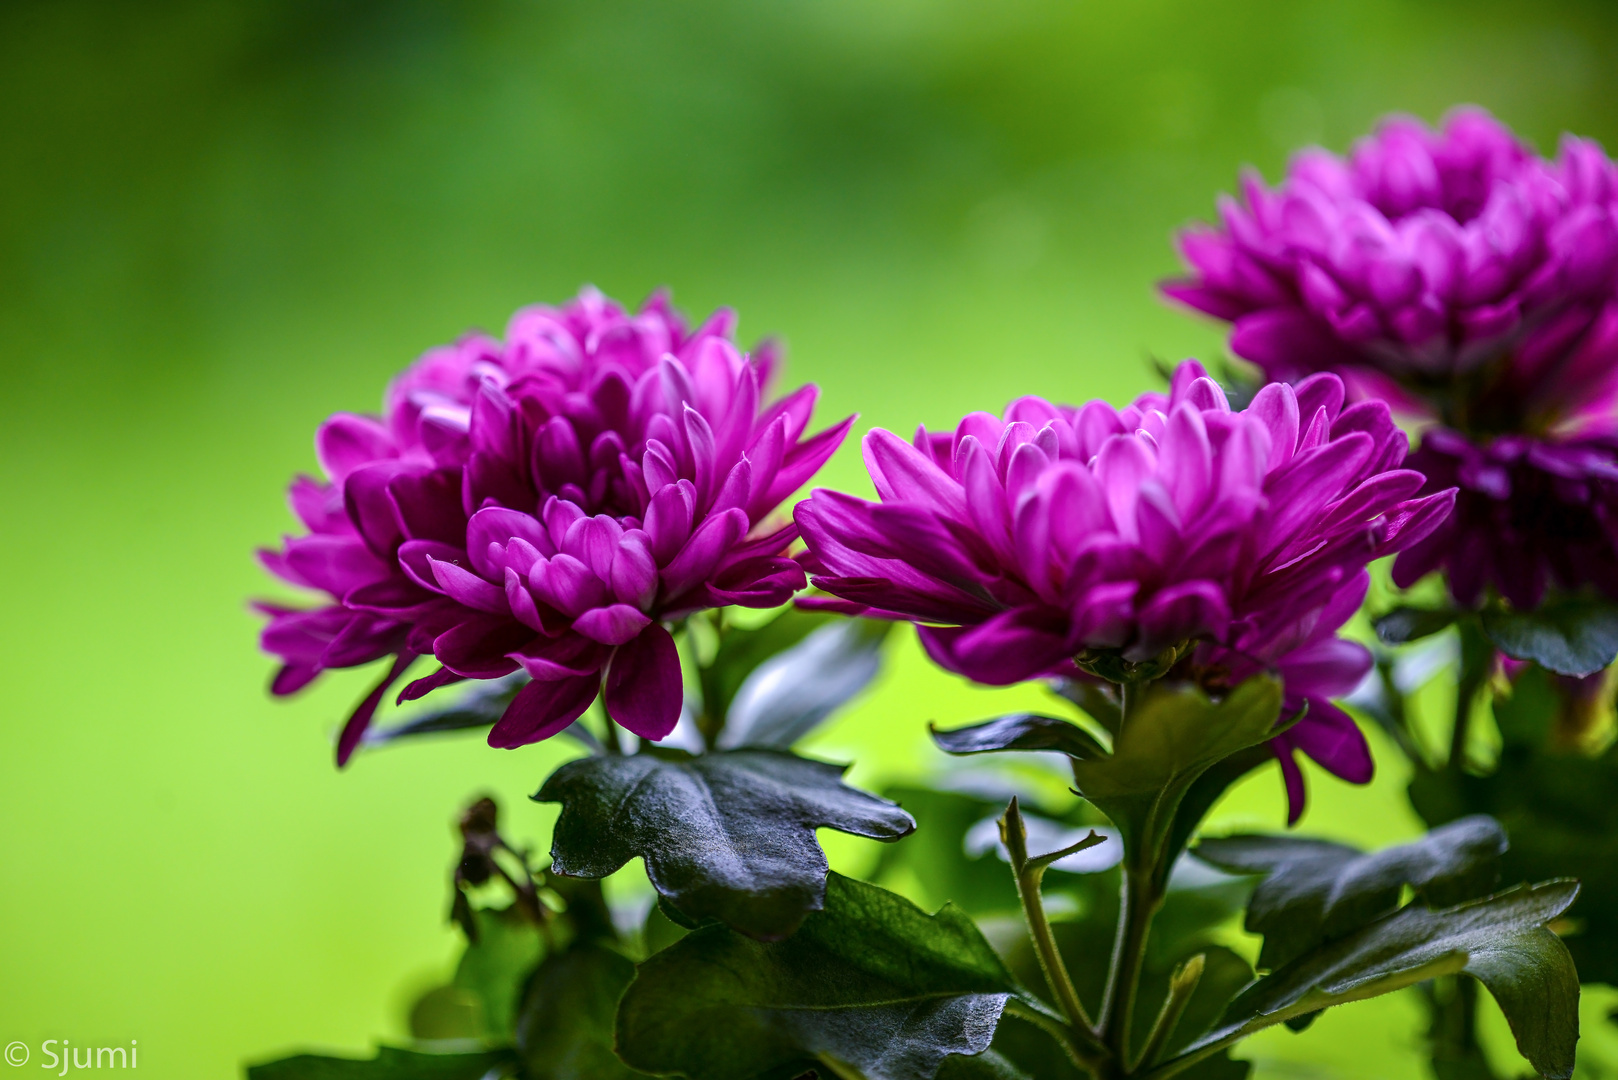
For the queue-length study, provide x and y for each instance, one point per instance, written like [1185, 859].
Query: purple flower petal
[346, 442]
[614, 624]
[360, 719]
[643, 689]
[476, 648]
[491, 529]
[701, 554]
[547, 499]
[465, 587]
[542, 709]
[561, 657]
[427, 684]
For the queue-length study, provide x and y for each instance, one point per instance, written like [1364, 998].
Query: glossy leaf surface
[870, 981]
[1316, 890]
[728, 836]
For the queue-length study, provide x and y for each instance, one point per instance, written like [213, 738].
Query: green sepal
[1170, 739]
[870, 980]
[728, 836]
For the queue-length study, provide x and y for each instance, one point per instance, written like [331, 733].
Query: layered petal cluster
[1454, 267]
[546, 503]
[1022, 542]
[1531, 515]
[1470, 282]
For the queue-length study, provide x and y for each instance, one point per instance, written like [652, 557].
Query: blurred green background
[220, 222]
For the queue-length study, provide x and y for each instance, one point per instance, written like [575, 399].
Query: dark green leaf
[477, 707]
[985, 1066]
[659, 931]
[1021, 731]
[729, 836]
[1559, 811]
[1571, 635]
[1218, 1067]
[565, 1030]
[870, 980]
[1316, 891]
[1502, 941]
[1224, 975]
[496, 965]
[389, 1064]
[789, 694]
[740, 651]
[1403, 625]
[1173, 737]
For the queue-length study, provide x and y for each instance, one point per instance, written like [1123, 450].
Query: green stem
[1139, 898]
[1029, 873]
[1137, 903]
[1182, 984]
[1452, 1029]
[1477, 654]
[1129, 697]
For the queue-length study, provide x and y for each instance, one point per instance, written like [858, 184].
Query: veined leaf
[1502, 941]
[985, 1066]
[870, 981]
[1316, 890]
[1174, 736]
[729, 836]
[1570, 635]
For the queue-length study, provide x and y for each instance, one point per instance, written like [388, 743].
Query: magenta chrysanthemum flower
[1424, 260]
[1468, 281]
[547, 503]
[1020, 543]
[1531, 514]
